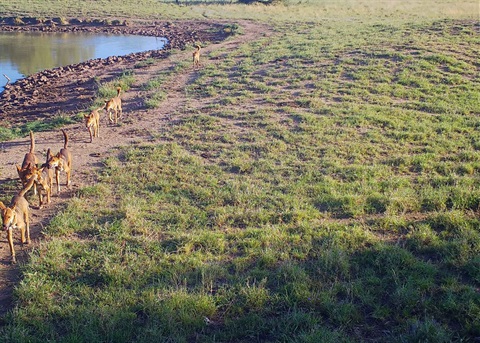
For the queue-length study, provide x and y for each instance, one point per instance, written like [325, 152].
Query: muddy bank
[72, 88]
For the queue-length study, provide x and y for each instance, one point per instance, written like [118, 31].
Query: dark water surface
[26, 53]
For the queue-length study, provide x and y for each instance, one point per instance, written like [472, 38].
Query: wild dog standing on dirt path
[48, 170]
[45, 179]
[196, 57]
[92, 122]
[43, 182]
[29, 161]
[62, 162]
[114, 105]
[16, 216]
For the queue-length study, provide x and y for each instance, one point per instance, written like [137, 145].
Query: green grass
[48, 124]
[293, 10]
[325, 189]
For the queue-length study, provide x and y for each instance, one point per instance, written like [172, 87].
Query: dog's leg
[120, 111]
[27, 226]
[110, 116]
[22, 234]
[68, 177]
[50, 181]
[49, 194]
[57, 179]
[98, 127]
[40, 199]
[10, 244]
[95, 129]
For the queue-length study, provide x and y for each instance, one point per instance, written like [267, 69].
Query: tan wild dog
[92, 122]
[196, 57]
[48, 170]
[41, 183]
[44, 177]
[62, 162]
[29, 161]
[16, 216]
[114, 105]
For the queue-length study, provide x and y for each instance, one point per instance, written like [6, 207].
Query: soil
[72, 89]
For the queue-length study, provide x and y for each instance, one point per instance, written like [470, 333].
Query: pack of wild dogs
[40, 176]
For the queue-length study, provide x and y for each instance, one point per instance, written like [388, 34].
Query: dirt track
[64, 93]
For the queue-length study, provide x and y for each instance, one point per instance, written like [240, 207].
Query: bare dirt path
[136, 127]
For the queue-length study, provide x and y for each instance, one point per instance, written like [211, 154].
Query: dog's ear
[2, 206]
[19, 170]
[86, 115]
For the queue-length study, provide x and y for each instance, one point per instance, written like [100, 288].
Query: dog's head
[41, 179]
[25, 173]
[56, 161]
[108, 105]
[8, 216]
[89, 119]
[47, 163]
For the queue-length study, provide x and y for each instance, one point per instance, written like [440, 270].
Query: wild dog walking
[92, 123]
[196, 57]
[16, 216]
[41, 182]
[29, 162]
[62, 162]
[44, 178]
[114, 105]
[48, 170]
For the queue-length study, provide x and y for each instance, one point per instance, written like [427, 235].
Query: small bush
[155, 100]
[231, 29]
[7, 134]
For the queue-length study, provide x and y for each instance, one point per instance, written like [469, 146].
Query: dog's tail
[29, 185]
[49, 156]
[196, 52]
[32, 143]
[119, 89]
[66, 139]
[47, 162]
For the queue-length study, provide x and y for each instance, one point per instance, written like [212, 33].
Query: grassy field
[287, 10]
[327, 190]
